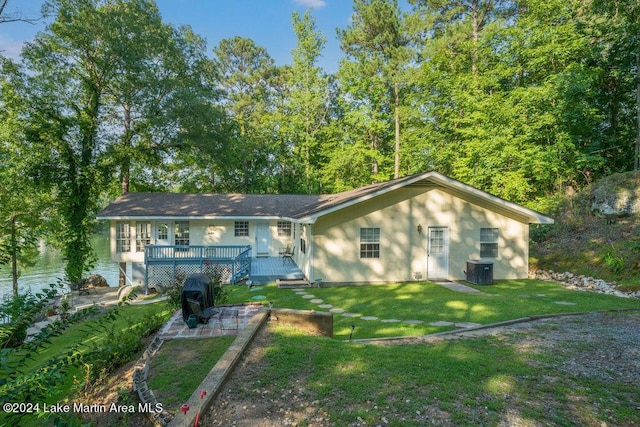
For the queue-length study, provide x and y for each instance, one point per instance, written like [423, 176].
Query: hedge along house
[423, 226]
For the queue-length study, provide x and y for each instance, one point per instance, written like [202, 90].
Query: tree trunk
[126, 172]
[14, 256]
[636, 162]
[476, 35]
[126, 161]
[122, 278]
[396, 173]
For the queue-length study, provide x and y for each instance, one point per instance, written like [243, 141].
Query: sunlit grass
[470, 382]
[181, 365]
[428, 302]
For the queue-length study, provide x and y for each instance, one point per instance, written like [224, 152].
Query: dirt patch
[114, 389]
[598, 346]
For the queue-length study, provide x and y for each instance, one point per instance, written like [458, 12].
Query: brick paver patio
[222, 325]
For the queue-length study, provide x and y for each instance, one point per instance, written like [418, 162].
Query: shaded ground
[573, 350]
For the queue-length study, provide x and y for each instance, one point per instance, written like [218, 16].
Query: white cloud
[311, 3]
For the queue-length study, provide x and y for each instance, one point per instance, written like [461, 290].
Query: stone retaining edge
[221, 371]
[488, 326]
[140, 386]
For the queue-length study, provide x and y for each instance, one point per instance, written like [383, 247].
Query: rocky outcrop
[96, 281]
[617, 195]
[584, 283]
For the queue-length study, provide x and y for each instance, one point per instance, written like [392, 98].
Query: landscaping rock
[584, 283]
[617, 195]
[96, 281]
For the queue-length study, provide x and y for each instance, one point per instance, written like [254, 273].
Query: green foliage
[173, 290]
[613, 261]
[120, 346]
[41, 370]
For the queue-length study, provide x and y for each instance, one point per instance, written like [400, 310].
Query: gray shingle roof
[294, 206]
[230, 205]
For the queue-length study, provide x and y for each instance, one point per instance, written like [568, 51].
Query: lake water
[50, 267]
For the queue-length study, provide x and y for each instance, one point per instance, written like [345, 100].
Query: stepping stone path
[440, 323]
[467, 325]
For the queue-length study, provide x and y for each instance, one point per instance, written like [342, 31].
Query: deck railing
[235, 259]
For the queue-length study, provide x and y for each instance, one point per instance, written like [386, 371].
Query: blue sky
[267, 22]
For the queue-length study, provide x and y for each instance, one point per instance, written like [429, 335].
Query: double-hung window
[241, 228]
[143, 235]
[181, 233]
[489, 242]
[284, 229]
[369, 243]
[123, 237]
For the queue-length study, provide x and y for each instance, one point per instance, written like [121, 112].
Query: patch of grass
[87, 333]
[428, 302]
[482, 381]
[181, 365]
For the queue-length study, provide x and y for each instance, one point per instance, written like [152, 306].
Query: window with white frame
[241, 228]
[284, 229]
[181, 233]
[143, 235]
[369, 243]
[163, 231]
[123, 237]
[489, 242]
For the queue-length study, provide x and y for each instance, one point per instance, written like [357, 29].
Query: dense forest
[525, 99]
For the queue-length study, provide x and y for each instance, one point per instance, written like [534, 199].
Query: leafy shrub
[219, 292]
[12, 336]
[173, 291]
[614, 262]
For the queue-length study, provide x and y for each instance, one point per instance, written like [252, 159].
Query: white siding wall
[403, 250]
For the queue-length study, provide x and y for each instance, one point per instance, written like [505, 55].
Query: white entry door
[163, 233]
[438, 253]
[263, 239]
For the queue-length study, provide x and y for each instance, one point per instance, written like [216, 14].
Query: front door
[263, 238]
[438, 253]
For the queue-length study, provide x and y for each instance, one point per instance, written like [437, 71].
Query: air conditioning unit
[479, 272]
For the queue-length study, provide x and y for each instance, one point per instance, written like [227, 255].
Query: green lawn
[87, 333]
[428, 302]
[181, 365]
[472, 382]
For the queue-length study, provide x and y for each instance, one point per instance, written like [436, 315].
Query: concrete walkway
[458, 287]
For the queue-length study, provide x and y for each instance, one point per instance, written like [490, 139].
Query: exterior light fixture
[419, 228]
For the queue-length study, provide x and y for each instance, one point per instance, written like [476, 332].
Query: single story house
[421, 227]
